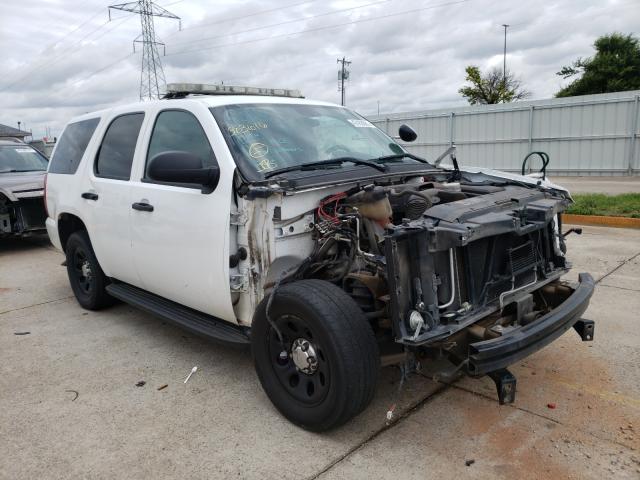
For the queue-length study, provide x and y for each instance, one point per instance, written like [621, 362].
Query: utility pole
[343, 74]
[152, 78]
[504, 56]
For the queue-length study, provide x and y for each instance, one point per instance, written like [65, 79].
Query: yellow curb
[601, 221]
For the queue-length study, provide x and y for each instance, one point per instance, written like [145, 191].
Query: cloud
[61, 59]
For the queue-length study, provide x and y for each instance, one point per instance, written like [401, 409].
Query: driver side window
[178, 130]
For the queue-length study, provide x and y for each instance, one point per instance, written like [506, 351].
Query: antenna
[152, 78]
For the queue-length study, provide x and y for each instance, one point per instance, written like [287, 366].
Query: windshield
[21, 158]
[268, 137]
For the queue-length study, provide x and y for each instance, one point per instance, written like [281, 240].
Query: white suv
[254, 216]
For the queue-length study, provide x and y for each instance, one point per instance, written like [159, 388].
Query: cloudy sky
[61, 58]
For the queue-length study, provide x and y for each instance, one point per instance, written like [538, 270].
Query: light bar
[180, 89]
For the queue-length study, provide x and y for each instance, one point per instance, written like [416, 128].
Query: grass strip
[599, 204]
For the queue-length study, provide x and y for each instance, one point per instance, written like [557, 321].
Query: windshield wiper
[399, 156]
[13, 170]
[320, 164]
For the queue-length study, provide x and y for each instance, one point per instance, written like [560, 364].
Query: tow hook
[585, 329]
[505, 384]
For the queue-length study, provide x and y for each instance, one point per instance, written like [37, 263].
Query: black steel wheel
[319, 361]
[87, 279]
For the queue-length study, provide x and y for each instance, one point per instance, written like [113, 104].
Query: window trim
[145, 179]
[95, 158]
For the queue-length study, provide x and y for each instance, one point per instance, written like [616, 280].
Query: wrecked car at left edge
[22, 183]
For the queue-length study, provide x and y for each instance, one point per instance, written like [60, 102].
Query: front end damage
[22, 217]
[479, 281]
[464, 271]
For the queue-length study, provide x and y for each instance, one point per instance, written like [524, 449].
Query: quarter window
[71, 146]
[118, 147]
[177, 130]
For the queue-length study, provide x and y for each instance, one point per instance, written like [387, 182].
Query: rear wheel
[324, 369]
[87, 279]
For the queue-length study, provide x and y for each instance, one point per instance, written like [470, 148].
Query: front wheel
[323, 369]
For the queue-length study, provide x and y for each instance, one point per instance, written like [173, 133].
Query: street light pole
[504, 55]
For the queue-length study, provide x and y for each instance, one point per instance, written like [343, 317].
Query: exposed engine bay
[427, 259]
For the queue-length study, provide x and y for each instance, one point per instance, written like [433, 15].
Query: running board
[195, 322]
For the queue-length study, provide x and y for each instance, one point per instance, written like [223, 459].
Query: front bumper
[492, 355]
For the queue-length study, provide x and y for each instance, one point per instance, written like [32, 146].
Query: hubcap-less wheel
[298, 362]
[82, 267]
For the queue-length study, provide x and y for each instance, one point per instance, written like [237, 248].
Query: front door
[179, 234]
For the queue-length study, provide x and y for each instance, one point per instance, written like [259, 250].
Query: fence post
[531, 107]
[451, 129]
[634, 132]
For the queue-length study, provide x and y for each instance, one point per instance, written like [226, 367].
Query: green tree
[492, 87]
[614, 68]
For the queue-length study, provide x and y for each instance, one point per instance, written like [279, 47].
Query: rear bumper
[498, 353]
[52, 230]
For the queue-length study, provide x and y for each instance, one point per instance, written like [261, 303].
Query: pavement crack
[621, 288]
[618, 267]
[408, 412]
[36, 304]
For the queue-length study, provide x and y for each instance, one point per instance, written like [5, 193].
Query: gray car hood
[19, 185]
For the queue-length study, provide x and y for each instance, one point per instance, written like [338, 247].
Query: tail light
[44, 195]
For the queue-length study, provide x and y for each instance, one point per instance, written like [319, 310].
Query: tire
[87, 279]
[341, 382]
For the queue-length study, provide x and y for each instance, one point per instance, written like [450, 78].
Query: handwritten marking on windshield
[247, 128]
[265, 164]
[258, 150]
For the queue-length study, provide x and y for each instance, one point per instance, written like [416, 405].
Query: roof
[7, 131]
[207, 100]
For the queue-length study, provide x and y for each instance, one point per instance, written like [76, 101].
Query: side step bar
[195, 322]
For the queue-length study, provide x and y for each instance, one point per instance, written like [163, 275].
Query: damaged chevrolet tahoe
[256, 217]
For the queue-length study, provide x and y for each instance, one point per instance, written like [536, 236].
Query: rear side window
[179, 130]
[71, 146]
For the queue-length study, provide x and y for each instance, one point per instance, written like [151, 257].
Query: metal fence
[588, 135]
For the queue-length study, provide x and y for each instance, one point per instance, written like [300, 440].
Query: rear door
[106, 196]
[180, 240]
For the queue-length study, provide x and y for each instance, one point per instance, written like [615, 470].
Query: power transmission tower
[152, 78]
[343, 74]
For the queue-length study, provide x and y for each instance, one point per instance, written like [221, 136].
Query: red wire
[332, 199]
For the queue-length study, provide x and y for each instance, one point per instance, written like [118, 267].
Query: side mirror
[407, 134]
[183, 167]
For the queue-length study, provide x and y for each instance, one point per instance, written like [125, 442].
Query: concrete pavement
[221, 425]
[607, 185]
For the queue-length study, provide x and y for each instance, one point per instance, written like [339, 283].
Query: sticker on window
[24, 150]
[360, 123]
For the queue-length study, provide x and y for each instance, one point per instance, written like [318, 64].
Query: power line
[65, 52]
[311, 30]
[241, 17]
[284, 22]
[317, 29]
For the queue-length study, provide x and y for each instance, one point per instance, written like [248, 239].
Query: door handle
[90, 196]
[143, 207]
